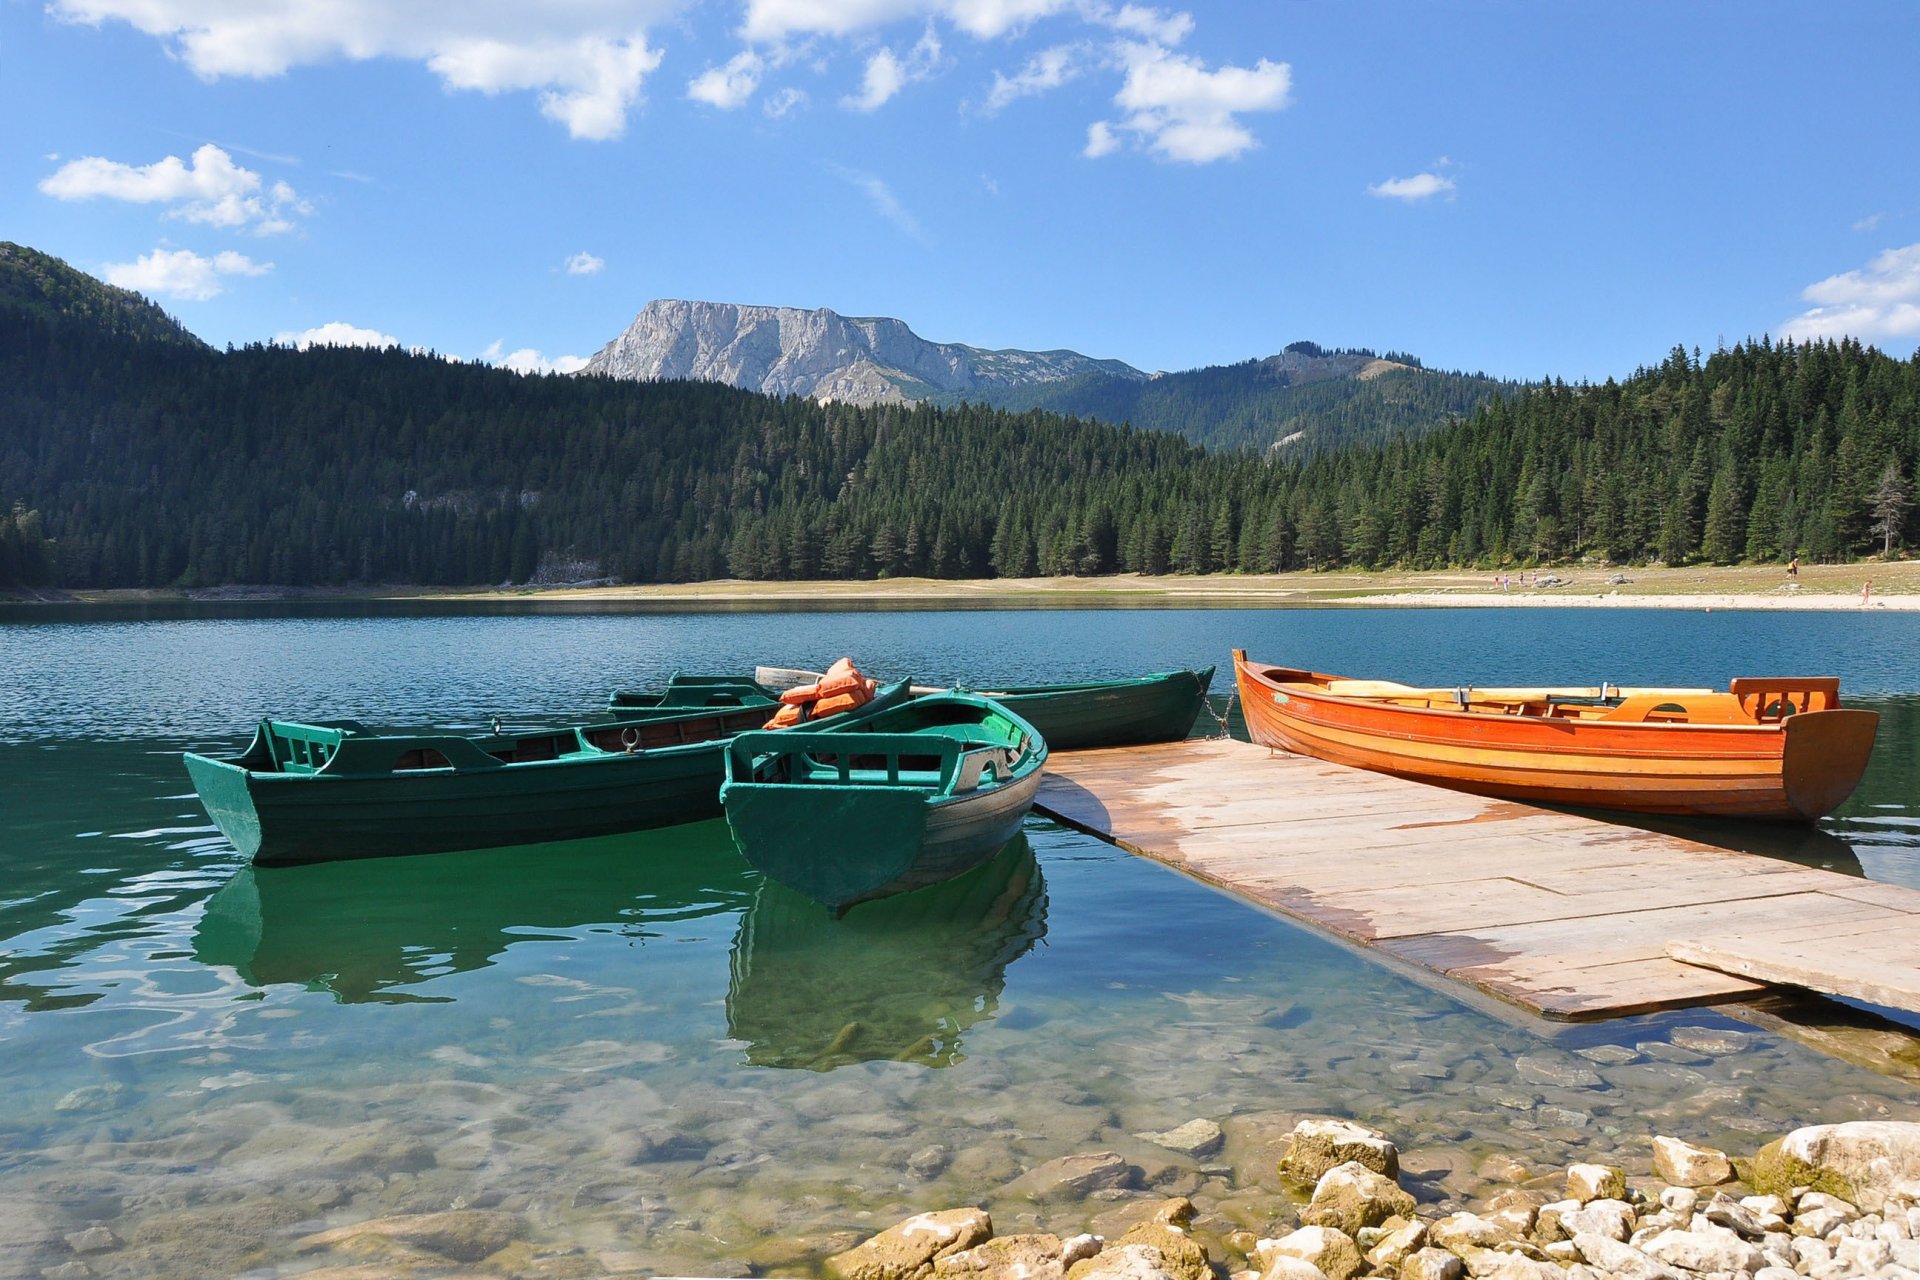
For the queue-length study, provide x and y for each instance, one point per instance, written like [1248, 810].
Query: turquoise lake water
[655, 1063]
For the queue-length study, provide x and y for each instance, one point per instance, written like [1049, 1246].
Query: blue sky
[1529, 189]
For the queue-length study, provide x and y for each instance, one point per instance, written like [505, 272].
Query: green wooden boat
[906, 798]
[1078, 717]
[691, 693]
[899, 980]
[332, 791]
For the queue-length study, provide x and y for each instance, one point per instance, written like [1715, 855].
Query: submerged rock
[464, 1235]
[1074, 1177]
[1195, 1138]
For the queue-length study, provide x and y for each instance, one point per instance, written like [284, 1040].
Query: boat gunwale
[1313, 693]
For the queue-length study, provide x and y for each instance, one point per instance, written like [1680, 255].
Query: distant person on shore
[1793, 567]
[1866, 591]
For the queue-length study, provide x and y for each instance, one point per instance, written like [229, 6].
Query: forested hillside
[1300, 402]
[128, 458]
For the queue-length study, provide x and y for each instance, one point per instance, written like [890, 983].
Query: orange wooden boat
[1779, 749]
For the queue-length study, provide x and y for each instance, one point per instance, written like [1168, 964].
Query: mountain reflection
[901, 978]
[367, 930]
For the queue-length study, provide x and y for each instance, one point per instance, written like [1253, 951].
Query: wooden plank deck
[1571, 917]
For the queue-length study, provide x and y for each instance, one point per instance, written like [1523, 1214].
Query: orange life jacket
[843, 688]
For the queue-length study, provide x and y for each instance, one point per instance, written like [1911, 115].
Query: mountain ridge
[821, 354]
[1302, 399]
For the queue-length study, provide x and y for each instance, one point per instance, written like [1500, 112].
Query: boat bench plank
[1573, 917]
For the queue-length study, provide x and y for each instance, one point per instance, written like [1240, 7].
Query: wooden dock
[1572, 917]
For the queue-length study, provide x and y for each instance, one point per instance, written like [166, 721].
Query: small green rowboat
[331, 791]
[895, 801]
[691, 693]
[1079, 717]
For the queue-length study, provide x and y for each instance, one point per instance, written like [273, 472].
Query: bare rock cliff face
[786, 351]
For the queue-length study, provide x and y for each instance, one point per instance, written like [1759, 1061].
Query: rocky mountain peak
[822, 354]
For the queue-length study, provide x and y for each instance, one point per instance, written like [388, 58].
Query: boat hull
[280, 818]
[285, 819]
[899, 801]
[841, 849]
[1116, 713]
[1795, 770]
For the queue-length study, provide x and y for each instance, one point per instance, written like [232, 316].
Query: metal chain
[1224, 714]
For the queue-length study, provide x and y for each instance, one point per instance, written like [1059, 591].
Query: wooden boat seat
[1713, 708]
[1768, 699]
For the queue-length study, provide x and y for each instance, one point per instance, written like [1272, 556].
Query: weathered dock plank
[1573, 917]
[1872, 960]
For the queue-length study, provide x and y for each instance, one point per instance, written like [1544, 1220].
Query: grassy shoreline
[1895, 586]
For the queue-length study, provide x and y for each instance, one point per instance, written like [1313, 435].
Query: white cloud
[585, 60]
[584, 264]
[1101, 140]
[771, 21]
[210, 188]
[182, 273]
[888, 73]
[1182, 111]
[337, 333]
[989, 19]
[1149, 24]
[1869, 222]
[1046, 70]
[529, 360]
[1420, 186]
[775, 20]
[730, 85]
[783, 103]
[1876, 302]
[884, 202]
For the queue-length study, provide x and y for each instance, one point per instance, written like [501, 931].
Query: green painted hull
[1111, 713]
[361, 805]
[818, 820]
[900, 980]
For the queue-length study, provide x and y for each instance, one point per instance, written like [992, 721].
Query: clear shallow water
[649, 1056]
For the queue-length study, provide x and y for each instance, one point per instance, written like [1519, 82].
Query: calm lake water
[652, 1062]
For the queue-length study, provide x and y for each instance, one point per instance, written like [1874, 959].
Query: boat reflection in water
[900, 978]
[372, 930]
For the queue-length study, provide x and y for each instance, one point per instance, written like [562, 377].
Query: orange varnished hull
[1794, 769]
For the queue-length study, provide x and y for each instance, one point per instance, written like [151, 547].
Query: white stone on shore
[1351, 1196]
[1319, 1145]
[1713, 1249]
[1432, 1264]
[1867, 1161]
[1331, 1250]
[1685, 1165]
[1620, 1259]
[1610, 1218]
[1596, 1182]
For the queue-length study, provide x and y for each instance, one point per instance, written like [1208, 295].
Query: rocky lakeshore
[1825, 1202]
